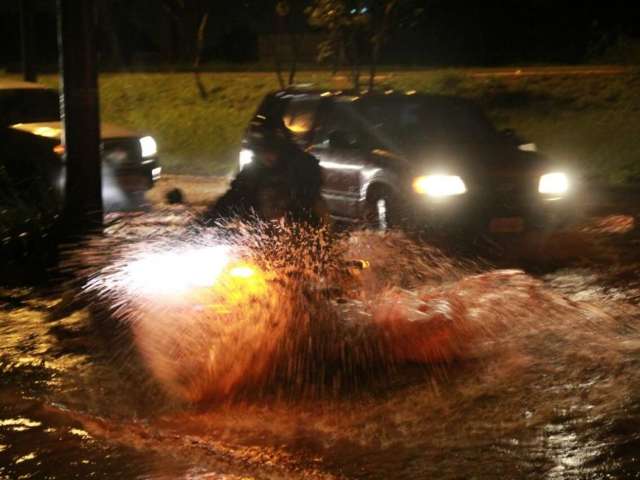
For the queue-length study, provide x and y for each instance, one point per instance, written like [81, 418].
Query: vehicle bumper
[138, 178]
[488, 214]
[124, 187]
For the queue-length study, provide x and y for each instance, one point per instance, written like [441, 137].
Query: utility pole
[27, 34]
[80, 116]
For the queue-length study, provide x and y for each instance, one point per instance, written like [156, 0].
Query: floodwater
[539, 376]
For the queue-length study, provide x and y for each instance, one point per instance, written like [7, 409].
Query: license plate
[507, 225]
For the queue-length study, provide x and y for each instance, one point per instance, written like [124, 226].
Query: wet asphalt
[550, 389]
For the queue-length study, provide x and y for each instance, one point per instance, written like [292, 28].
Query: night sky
[448, 32]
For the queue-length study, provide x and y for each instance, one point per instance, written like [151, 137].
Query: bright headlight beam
[245, 158]
[555, 183]
[177, 272]
[148, 146]
[439, 186]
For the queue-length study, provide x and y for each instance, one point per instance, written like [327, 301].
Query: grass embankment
[590, 120]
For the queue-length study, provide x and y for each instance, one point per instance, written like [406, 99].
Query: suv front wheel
[381, 211]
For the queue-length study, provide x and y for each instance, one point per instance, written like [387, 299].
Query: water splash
[537, 378]
[301, 325]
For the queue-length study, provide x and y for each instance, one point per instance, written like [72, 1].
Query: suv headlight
[554, 183]
[245, 158]
[148, 146]
[439, 186]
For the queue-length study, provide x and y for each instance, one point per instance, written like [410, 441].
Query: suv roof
[446, 101]
[353, 95]
[453, 118]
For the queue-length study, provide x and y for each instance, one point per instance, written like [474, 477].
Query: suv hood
[54, 130]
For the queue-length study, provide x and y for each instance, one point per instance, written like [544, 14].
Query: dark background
[157, 34]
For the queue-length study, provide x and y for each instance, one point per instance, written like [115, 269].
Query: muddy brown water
[549, 388]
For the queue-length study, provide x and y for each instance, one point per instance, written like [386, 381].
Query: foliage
[284, 14]
[624, 51]
[356, 30]
[343, 22]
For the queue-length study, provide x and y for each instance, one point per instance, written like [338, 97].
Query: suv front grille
[507, 192]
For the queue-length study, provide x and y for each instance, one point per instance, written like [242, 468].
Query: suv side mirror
[341, 140]
[511, 136]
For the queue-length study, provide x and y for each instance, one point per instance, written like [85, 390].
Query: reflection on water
[545, 384]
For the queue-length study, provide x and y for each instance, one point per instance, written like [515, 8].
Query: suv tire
[381, 211]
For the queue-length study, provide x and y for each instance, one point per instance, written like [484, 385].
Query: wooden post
[80, 115]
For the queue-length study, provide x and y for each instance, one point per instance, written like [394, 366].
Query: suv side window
[342, 116]
[299, 116]
[391, 122]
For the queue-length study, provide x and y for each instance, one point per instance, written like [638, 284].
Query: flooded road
[543, 382]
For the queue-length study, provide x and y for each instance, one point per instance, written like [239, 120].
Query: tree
[174, 9]
[192, 16]
[194, 24]
[109, 18]
[379, 34]
[344, 23]
[202, 28]
[357, 30]
[284, 13]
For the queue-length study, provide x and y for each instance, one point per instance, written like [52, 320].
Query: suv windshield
[411, 123]
[28, 105]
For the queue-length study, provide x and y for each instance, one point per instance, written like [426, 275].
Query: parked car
[32, 152]
[426, 161]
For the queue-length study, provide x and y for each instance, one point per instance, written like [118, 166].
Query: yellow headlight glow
[555, 183]
[439, 186]
[242, 272]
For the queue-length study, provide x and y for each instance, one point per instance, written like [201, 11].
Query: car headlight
[439, 185]
[555, 183]
[177, 272]
[148, 146]
[245, 158]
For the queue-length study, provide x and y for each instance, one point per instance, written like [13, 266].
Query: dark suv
[432, 161]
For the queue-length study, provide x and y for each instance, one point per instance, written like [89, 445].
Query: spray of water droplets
[277, 308]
